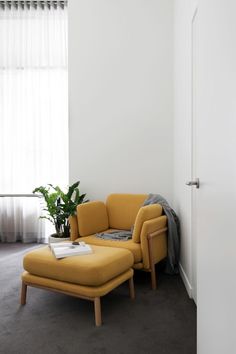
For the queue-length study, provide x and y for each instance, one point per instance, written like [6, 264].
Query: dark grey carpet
[162, 321]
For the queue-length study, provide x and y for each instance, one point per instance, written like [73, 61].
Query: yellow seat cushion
[122, 209]
[104, 264]
[135, 248]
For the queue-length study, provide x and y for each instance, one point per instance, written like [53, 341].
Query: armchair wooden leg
[97, 311]
[23, 293]
[152, 265]
[153, 278]
[150, 238]
[131, 288]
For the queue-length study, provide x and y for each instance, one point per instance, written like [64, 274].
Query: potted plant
[59, 206]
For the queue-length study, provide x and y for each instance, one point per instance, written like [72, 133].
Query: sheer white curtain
[33, 110]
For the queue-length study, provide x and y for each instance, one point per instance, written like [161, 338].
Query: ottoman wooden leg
[131, 288]
[23, 293]
[97, 311]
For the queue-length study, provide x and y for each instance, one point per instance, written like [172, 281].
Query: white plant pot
[52, 239]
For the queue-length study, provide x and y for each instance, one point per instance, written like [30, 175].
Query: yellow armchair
[125, 212]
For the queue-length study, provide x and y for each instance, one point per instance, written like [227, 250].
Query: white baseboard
[186, 281]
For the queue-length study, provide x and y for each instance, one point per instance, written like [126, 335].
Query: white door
[194, 170]
[214, 203]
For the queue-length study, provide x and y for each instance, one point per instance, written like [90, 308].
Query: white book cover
[60, 244]
[71, 250]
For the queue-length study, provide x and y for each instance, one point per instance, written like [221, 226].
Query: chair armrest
[154, 230]
[92, 218]
[74, 230]
[155, 234]
[145, 213]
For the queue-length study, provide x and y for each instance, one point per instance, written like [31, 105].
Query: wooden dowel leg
[152, 265]
[153, 277]
[131, 288]
[23, 293]
[97, 311]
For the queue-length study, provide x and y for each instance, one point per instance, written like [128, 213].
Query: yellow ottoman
[88, 277]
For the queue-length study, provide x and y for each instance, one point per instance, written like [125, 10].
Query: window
[33, 97]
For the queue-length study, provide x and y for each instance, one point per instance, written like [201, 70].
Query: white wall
[184, 10]
[120, 96]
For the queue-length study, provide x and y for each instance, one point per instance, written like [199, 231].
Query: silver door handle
[194, 183]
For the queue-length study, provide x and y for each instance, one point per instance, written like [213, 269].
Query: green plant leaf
[72, 188]
[60, 206]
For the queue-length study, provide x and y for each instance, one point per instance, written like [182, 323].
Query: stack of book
[68, 249]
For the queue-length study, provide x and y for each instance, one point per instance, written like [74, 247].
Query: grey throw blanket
[116, 235]
[173, 238]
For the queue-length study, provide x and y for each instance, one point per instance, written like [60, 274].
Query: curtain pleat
[33, 112]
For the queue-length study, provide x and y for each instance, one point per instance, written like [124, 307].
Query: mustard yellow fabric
[122, 209]
[138, 265]
[159, 248]
[135, 248]
[75, 289]
[92, 217]
[74, 229]
[104, 264]
[145, 213]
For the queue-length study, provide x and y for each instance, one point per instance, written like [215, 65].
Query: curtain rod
[27, 195]
[34, 3]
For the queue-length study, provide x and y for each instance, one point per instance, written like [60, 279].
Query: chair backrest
[122, 209]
